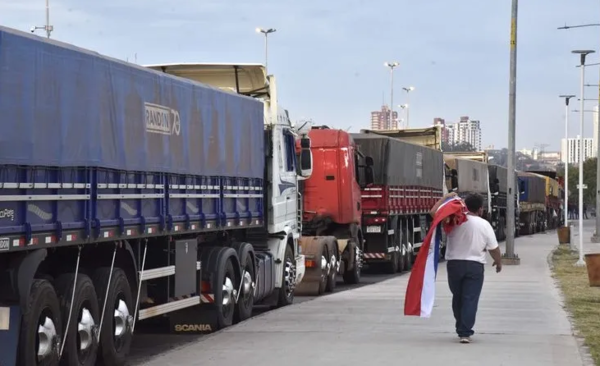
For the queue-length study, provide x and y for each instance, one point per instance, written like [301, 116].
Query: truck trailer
[332, 237]
[532, 203]
[499, 196]
[554, 214]
[131, 194]
[469, 176]
[408, 180]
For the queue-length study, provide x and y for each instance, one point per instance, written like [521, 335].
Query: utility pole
[392, 66]
[510, 257]
[48, 28]
[408, 90]
[582, 55]
[596, 237]
[566, 205]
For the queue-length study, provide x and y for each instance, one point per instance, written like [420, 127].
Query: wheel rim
[122, 322]
[358, 260]
[227, 291]
[324, 268]
[290, 277]
[334, 265]
[47, 336]
[247, 287]
[85, 332]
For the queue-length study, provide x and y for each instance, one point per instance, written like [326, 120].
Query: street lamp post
[408, 90]
[392, 66]
[566, 205]
[266, 32]
[582, 55]
[48, 28]
[510, 257]
[596, 236]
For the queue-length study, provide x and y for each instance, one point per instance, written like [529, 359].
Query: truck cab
[284, 168]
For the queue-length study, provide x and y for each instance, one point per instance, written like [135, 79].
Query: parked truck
[128, 194]
[469, 176]
[554, 213]
[333, 239]
[408, 180]
[499, 196]
[532, 203]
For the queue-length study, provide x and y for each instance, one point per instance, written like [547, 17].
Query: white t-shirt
[470, 240]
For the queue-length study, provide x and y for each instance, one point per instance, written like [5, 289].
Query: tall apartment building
[380, 120]
[466, 130]
[569, 150]
[445, 133]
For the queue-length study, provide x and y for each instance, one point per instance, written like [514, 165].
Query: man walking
[466, 247]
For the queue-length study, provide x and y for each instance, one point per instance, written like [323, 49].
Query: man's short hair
[474, 202]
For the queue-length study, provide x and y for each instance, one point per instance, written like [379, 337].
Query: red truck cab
[332, 194]
[332, 240]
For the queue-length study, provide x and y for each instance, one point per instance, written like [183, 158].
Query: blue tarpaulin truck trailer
[127, 194]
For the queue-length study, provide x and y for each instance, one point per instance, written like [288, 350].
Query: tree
[460, 147]
[589, 179]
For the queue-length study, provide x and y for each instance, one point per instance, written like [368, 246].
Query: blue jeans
[466, 280]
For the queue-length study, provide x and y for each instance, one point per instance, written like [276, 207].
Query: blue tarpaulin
[66, 107]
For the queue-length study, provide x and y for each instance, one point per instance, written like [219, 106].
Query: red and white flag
[420, 292]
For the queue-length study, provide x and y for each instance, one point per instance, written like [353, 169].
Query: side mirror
[369, 176]
[454, 180]
[306, 163]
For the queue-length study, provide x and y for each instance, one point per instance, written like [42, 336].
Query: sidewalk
[520, 322]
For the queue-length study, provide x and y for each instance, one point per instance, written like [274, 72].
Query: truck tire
[391, 267]
[286, 292]
[332, 261]
[115, 335]
[42, 311]
[224, 292]
[352, 277]
[81, 346]
[243, 309]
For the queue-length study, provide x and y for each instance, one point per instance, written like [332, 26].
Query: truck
[532, 203]
[408, 180]
[130, 193]
[554, 213]
[499, 196]
[332, 237]
[469, 176]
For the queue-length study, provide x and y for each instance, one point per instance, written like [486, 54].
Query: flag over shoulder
[420, 292]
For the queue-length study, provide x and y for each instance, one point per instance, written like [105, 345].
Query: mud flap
[200, 319]
[10, 326]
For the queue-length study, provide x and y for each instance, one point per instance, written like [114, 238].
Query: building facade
[570, 153]
[445, 132]
[380, 120]
[465, 131]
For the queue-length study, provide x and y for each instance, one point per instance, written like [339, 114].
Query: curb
[584, 351]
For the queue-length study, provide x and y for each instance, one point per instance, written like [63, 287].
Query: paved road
[146, 346]
[520, 322]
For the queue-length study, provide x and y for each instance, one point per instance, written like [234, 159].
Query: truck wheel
[225, 289]
[409, 259]
[324, 270]
[115, 335]
[243, 309]
[286, 292]
[352, 277]
[391, 267]
[332, 265]
[81, 345]
[41, 327]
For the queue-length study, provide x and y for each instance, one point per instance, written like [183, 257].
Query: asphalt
[520, 322]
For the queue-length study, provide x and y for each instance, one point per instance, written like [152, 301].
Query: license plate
[373, 229]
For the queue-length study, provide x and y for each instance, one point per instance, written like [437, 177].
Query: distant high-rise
[445, 132]
[569, 150]
[380, 120]
[465, 131]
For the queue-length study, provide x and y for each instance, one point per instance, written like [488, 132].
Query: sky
[328, 56]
